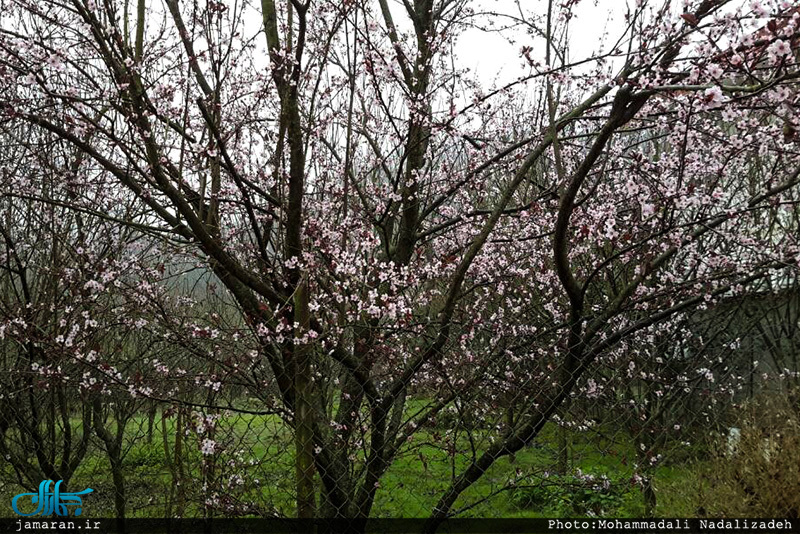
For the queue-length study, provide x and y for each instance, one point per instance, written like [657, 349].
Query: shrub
[572, 495]
[538, 496]
[759, 477]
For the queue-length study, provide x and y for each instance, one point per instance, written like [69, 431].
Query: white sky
[493, 59]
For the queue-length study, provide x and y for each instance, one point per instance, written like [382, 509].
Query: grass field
[410, 488]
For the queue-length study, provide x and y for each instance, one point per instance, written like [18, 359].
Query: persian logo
[49, 503]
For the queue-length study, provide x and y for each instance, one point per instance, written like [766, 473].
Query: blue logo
[51, 503]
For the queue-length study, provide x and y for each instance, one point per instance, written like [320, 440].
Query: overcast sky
[492, 58]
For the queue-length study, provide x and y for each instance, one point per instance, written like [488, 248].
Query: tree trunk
[113, 446]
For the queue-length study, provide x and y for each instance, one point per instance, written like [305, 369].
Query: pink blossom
[714, 71]
[207, 447]
[779, 49]
[712, 97]
[758, 7]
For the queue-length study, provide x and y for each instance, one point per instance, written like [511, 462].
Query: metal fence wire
[700, 418]
[293, 259]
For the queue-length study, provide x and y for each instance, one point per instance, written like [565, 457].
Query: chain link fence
[698, 417]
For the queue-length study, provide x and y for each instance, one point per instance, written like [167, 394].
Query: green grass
[410, 488]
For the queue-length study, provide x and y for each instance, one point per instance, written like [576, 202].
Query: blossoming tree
[389, 230]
